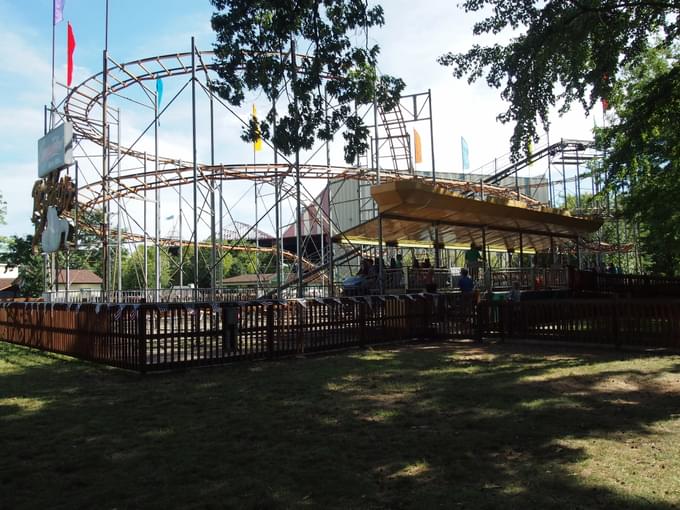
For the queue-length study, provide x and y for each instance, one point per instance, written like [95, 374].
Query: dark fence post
[300, 328]
[225, 330]
[409, 311]
[482, 313]
[229, 327]
[362, 323]
[141, 338]
[427, 322]
[615, 322]
[270, 331]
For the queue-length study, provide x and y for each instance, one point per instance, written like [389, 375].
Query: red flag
[71, 46]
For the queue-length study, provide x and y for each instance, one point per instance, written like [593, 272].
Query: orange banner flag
[418, 147]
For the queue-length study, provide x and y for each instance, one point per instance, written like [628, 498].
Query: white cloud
[19, 59]
[19, 131]
[17, 183]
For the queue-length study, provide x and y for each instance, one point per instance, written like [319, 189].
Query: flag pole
[257, 237]
[106, 27]
[54, 14]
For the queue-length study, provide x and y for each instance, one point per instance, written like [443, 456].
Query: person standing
[400, 272]
[472, 260]
[515, 293]
[465, 283]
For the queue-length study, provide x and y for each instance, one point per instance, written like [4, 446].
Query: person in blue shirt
[515, 294]
[465, 283]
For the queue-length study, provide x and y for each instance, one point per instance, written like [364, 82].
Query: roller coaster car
[178, 293]
[358, 285]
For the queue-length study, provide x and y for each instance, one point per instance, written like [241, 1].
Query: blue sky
[414, 35]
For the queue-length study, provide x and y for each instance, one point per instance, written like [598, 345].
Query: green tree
[642, 157]
[233, 264]
[133, 269]
[203, 280]
[253, 50]
[87, 254]
[615, 231]
[565, 51]
[19, 253]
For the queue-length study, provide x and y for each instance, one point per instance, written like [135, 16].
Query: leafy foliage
[566, 51]
[642, 147]
[86, 255]
[233, 264]
[254, 43]
[19, 253]
[614, 231]
[133, 268]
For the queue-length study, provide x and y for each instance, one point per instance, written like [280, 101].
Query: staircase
[398, 138]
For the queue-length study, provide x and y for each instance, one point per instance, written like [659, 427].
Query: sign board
[55, 149]
[57, 232]
[52, 197]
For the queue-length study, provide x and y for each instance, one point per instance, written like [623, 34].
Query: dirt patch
[620, 384]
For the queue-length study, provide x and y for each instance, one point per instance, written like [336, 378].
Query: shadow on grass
[451, 426]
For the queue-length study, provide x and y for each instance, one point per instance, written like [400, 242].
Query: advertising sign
[53, 197]
[55, 149]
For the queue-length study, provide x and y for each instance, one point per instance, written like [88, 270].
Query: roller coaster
[118, 176]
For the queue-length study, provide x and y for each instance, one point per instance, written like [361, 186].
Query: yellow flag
[257, 144]
[418, 147]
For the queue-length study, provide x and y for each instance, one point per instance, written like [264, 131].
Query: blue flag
[159, 91]
[465, 153]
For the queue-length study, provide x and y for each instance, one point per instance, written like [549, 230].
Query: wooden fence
[619, 322]
[165, 336]
[646, 286]
[92, 332]
[627, 285]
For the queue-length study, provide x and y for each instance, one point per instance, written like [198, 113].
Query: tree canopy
[565, 51]
[253, 51]
[19, 253]
[642, 152]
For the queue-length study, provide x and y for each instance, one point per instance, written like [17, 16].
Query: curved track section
[84, 102]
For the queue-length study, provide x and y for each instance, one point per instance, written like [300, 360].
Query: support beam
[157, 206]
[381, 272]
[105, 175]
[195, 163]
[213, 237]
[429, 100]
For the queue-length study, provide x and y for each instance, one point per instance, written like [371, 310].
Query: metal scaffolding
[127, 173]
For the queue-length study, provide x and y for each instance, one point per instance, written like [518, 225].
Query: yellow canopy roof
[411, 209]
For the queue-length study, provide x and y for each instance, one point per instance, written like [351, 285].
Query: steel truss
[125, 174]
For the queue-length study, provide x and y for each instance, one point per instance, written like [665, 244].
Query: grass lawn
[453, 425]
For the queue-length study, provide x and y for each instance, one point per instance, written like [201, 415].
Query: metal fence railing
[395, 281]
[178, 294]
